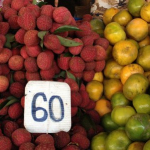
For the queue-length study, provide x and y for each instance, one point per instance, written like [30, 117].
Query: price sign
[47, 107]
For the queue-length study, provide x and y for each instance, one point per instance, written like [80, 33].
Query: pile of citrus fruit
[124, 84]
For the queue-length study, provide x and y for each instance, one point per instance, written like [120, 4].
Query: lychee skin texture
[46, 146]
[44, 23]
[44, 138]
[4, 110]
[19, 36]
[51, 42]
[88, 53]
[61, 14]
[21, 136]
[4, 83]
[5, 143]
[27, 146]
[17, 89]
[10, 127]
[47, 10]
[31, 38]
[61, 139]
[76, 64]
[82, 140]
[71, 147]
[16, 62]
[15, 111]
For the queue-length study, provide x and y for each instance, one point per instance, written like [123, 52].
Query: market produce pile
[41, 42]
[105, 63]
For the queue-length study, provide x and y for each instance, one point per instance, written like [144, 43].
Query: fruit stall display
[105, 62]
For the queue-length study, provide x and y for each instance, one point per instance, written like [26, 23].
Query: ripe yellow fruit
[103, 106]
[125, 52]
[98, 76]
[129, 70]
[94, 89]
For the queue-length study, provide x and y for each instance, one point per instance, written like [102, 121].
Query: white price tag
[47, 107]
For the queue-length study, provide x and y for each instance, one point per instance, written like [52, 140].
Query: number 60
[34, 109]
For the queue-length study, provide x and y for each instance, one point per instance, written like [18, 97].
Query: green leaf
[34, 2]
[9, 39]
[40, 4]
[87, 122]
[79, 81]
[9, 101]
[70, 75]
[66, 28]
[67, 42]
[61, 74]
[41, 35]
[67, 54]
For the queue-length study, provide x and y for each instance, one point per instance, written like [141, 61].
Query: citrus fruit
[134, 42]
[145, 12]
[137, 83]
[98, 141]
[141, 103]
[145, 42]
[136, 146]
[134, 7]
[103, 106]
[98, 76]
[138, 127]
[129, 70]
[143, 57]
[146, 145]
[98, 26]
[111, 86]
[112, 69]
[94, 89]
[117, 140]
[107, 123]
[121, 114]
[108, 14]
[124, 52]
[118, 99]
[114, 33]
[122, 17]
[137, 29]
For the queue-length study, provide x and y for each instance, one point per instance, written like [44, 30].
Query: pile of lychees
[41, 42]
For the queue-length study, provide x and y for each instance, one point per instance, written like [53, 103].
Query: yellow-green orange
[114, 33]
[137, 83]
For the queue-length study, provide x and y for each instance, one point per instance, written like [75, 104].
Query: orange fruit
[98, 76]
[114, 33]
[134, 7]
[94, 89]
[136, 84]
[122, 17]
[103, 106]
[108, 15]
[129, 70]
[143, 57]
[134, 42]
[136, 146]
[121, 114]
[145, 12]
[146, 145]
[111, 86]
[107, 123]
[98, 141]
[118, 99]
[117, 140]
[145, 42]
[137, 29]
[138, 127]
[112, 69]
[141, 103]
[125, 52]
